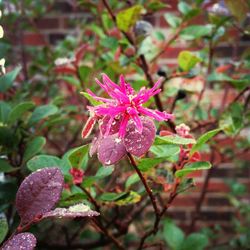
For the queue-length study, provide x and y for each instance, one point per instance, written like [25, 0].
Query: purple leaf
[94, 145]
[38, 193]
[25, 241]
[79, 210]
[111, 150]
[139, 143]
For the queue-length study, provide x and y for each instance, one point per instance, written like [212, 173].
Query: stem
[154, 230]
[143, 64]
[107, 234]
[202, 196]
[149, 191]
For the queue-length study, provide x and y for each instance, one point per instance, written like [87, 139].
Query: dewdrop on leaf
[2, 63]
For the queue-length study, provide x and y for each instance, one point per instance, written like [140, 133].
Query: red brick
[48, 23]
[173, 52]
[184, 201]
[213, 186]
[34, 39]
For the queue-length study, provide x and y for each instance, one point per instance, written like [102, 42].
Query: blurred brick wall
[216, 208]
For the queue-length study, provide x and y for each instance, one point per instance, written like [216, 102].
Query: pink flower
[77, 175]
[125, 104]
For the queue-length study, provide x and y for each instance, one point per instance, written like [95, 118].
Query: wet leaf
[78, 210]
[25, 241]
[38, 193]
[111, 150]
[43, 161]
[139, 143]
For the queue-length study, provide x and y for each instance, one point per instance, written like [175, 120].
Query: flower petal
[134, 115]
[124, 122]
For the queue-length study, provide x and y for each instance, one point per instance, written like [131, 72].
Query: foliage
[54, 118]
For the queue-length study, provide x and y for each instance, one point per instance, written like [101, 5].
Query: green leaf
[184, 8]
[173, 235]
[112, 196]
[91, 99]
[157, 5]
[19, 110]
[203, 139]
[69, 199]
[6, 81]
[231, 122]
[4, 112]
[173, 20]
[132, 179]
[43, 161]
[104, 171]
[195, 241]
[166, 150]
[189, 168]
[78, 157]
[148, 163]
[173, 139]
[42, 112]
[88, 181]
[84, 72]
[187, 60]
[220, 77]
[3, 228]
[131, 198]
[5, 167]
[109, 42]
[34, 147]
[127, 18]
[71, 80]
[196, 31]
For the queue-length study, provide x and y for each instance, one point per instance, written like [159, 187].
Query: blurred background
[41, 35]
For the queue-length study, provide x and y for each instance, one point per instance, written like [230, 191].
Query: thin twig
[148, 190]
[202, 196]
